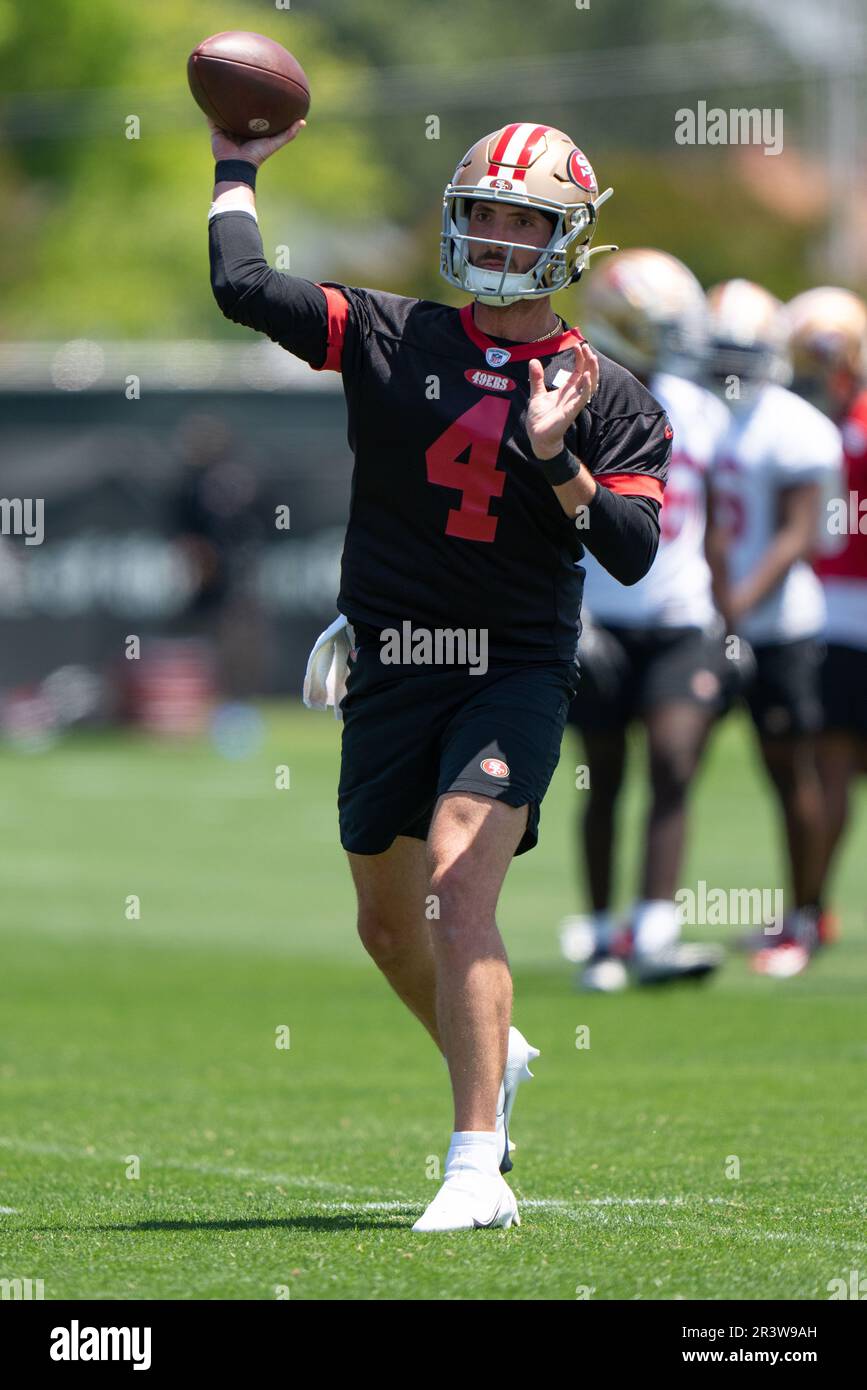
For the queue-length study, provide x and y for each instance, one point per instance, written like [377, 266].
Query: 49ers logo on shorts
[494, 767]
[489, 381]
[580, 171]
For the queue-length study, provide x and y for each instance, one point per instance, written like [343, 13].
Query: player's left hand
[550, 413]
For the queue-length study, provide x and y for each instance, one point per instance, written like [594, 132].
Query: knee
[379, 936]
[604, 783]
[456, 888]
[671, 775]
[602, 799]
[786, 775]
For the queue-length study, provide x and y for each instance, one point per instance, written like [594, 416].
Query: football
[247, 84]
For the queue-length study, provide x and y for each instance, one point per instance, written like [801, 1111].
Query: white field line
[552, 1203]
[308, 1182]
[67, 1153]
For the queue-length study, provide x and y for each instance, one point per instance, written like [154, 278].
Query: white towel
[327, 669]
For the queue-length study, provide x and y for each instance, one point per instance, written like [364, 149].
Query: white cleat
[605, 975]
[470, 1201]
[517, 1070]
[682, 960]
[577, 939]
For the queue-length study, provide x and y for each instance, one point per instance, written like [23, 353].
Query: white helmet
[645, 309]
[525, 165]
[748, 338]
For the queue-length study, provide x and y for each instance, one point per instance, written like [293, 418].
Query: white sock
[474, 1149]
[654, 926]
[603, 929]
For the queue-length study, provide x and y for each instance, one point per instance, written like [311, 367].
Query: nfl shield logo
[495, 357]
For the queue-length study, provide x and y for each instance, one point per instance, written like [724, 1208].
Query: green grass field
[303, 1168]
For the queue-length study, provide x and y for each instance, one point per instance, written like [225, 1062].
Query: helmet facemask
[557, 264]
[678, 345]
[739, 373]
[748, 349]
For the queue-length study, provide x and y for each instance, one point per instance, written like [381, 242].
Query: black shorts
[784, 695]
[844, 690]
[628, 671]
[410, 734]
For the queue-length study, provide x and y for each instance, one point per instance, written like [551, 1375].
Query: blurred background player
[828, 345]
[651, 653]
[218, 518]
[780, 457]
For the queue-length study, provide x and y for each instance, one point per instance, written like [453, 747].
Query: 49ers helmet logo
[580, 171]
[494, 767]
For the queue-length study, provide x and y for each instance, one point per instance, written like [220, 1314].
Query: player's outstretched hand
[550, 413]
[254, 151]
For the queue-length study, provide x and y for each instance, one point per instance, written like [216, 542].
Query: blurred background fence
[209, 518]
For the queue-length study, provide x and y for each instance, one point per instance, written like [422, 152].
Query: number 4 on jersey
[477, 478]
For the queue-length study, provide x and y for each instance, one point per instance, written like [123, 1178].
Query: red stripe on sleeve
[338, 313]
[633, 485]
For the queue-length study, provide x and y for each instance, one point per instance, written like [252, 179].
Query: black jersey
[452, 524]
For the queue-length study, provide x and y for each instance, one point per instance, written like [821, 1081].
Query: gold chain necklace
[559, 327]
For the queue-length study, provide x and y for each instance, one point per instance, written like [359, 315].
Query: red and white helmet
[525, 165]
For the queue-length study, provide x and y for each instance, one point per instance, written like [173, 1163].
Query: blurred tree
[102, 235]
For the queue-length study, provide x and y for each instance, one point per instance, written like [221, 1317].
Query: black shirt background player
[452, 523]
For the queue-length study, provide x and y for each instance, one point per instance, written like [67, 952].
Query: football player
[480, 437]
[780, 457]
[828, 344]
[654, 652]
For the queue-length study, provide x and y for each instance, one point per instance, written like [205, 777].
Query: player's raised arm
[291, 311]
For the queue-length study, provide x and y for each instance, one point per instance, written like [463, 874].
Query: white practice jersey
[676, 591]
[776, 442]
